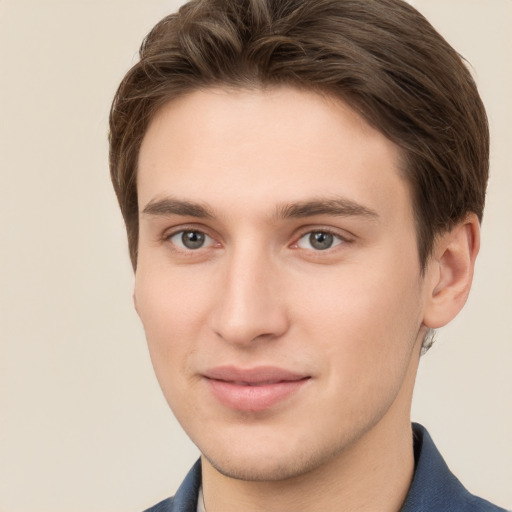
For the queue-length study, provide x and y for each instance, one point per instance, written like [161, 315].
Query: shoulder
[164, 506]
[185, 499]
[434, 486]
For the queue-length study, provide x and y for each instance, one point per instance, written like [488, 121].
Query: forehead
[266, 147]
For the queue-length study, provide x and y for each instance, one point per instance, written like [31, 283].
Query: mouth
[255, 389]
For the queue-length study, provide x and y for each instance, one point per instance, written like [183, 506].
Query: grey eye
[190, 239]
[319, 240]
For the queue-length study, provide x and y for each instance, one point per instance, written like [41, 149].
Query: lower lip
[253, 398]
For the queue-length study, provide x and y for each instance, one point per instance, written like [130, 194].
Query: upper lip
[257, 375]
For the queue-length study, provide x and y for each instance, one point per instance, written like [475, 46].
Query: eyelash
[338, 238]
[168, 236]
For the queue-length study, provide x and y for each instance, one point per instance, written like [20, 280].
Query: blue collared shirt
[434, 487]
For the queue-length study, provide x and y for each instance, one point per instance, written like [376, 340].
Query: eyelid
[336, 240]
[176, 230]
[207, 240]
[168, 232]
[343, 235]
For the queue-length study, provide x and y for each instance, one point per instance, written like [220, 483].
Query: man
[302, 185]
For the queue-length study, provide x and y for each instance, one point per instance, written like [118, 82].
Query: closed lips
[253, 390]
[257, 376]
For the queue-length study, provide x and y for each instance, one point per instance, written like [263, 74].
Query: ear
[450, 272]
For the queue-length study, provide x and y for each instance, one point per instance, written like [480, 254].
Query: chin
[273, 465]
[258, 471]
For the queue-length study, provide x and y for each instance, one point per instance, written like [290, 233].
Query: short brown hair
[381, 57]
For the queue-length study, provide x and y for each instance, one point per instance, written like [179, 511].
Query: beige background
[83, 425]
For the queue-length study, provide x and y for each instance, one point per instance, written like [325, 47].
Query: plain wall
[83, 424]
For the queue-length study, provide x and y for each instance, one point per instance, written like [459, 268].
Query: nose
[250, 305]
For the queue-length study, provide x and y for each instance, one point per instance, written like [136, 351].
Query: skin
[257, 172]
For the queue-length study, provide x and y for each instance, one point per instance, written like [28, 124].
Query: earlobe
[450, 272]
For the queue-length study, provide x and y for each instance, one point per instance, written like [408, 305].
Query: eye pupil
[321, 240]
[192, 239]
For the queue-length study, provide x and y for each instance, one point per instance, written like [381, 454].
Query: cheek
[169, 303]
[366, 338]
[364, 321]
[171, 317]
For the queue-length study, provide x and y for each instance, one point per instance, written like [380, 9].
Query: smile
[253, 390]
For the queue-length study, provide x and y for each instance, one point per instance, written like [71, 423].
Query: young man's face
[278, 278]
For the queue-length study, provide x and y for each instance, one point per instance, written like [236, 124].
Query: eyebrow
[340, 207]
[170, 206]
